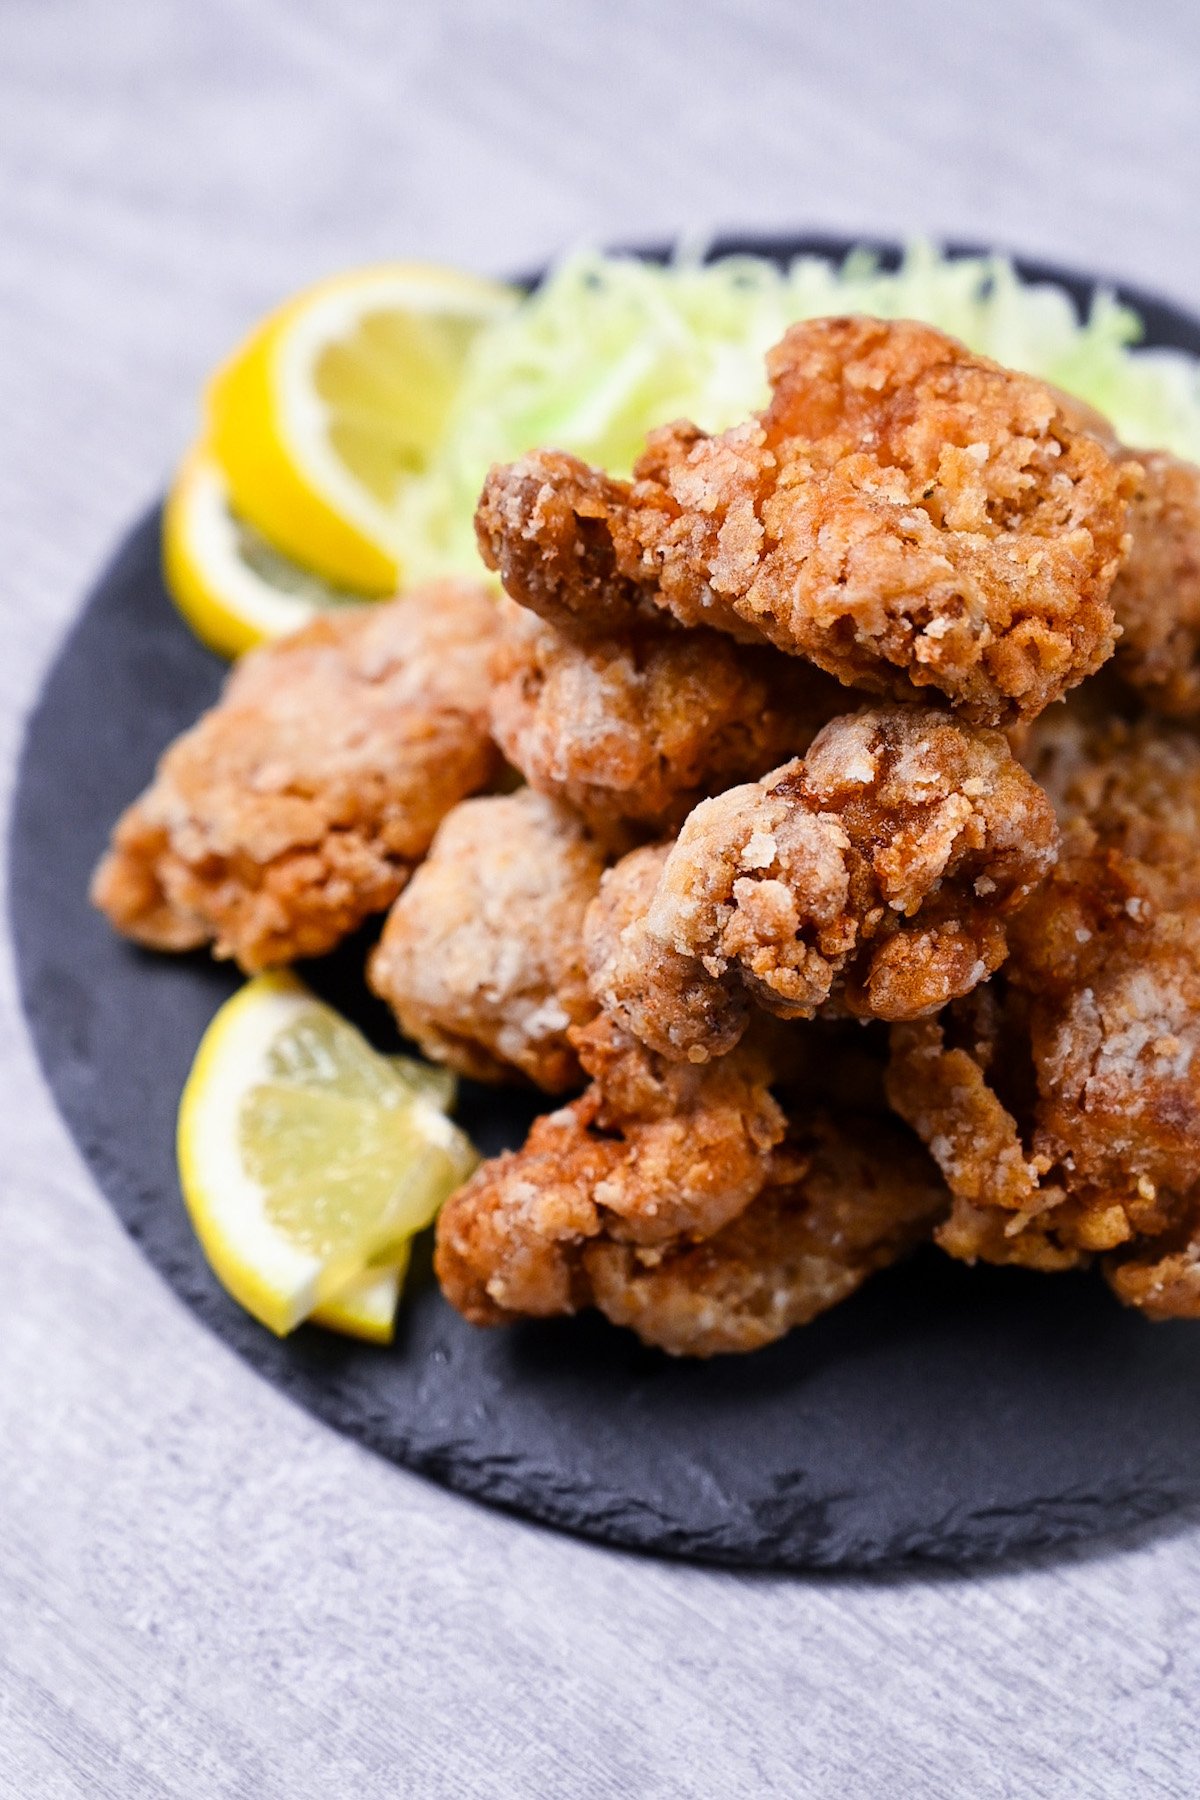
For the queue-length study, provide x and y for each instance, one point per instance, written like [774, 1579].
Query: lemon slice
[228, 582]
[303, 1155]
[366, 1308]
[337, 398]
[428, 1079]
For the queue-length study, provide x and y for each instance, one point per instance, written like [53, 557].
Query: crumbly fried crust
[550, 526]
[903, 512]
[1156, 595]
[635, 729]
[1064, 1107]
[650, 1151]
[941, 1082]
[298, 806]
[538, 1233]
[874, 876]
[1163, 1279]
[481, 957]
[847, 1196]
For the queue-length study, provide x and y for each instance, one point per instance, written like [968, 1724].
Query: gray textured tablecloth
[201, 1591]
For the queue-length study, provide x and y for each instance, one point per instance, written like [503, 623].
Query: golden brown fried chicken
[1162, 1279]
[299, 805]
[903, 512]
[847, 1195]
[554, 531]
[668, 1197]
[675, 1198]
[1063, 1105]
[875, 876]
[635, 729]
[656, 1149]
[1156, 596]
[481, 957]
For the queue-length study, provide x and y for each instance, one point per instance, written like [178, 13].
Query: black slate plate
[943, 1414]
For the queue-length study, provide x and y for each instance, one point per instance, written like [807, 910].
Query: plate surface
[942, 1414]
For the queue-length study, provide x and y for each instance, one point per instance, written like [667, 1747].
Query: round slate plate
[943, 1414]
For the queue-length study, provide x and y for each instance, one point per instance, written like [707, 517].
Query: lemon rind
[228, 606]
[267, 425]
[367, 1307]
[225, 1206]
[421, 289]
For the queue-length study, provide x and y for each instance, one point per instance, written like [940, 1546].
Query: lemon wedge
[305, 1157]
[320, 417]
[231, 586]
[366, 1308]
[430, 1080]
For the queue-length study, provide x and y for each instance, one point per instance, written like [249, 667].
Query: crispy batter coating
[847, 1196]
[299, 805]
[1163, 1278]
[581, 1217]
[874, 876]
[635, 729]
[481, 957]
[555, 532]
[949, 1079]
[1063, 1105]
[1156, 595]
[650, 1151]
[903, 512]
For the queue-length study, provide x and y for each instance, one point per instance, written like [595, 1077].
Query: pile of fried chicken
[839, 900]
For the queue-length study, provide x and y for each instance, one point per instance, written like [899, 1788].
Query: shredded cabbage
[608, 347]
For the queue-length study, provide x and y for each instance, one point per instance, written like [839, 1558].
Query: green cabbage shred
[607, 347]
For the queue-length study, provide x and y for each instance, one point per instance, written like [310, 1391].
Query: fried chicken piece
[847, 1195]
[633, 730]
[1163, 1279]
[650, 1151]
[903, 512]
[948, 1079]
[481, 958]
[1156, 595]
[299, 805]
[667, 1196]
[875, 876]
[582, 1217]
[554, 530]
[1063, 1105]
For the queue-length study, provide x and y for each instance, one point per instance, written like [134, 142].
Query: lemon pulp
[234, 589]
[335, 402]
